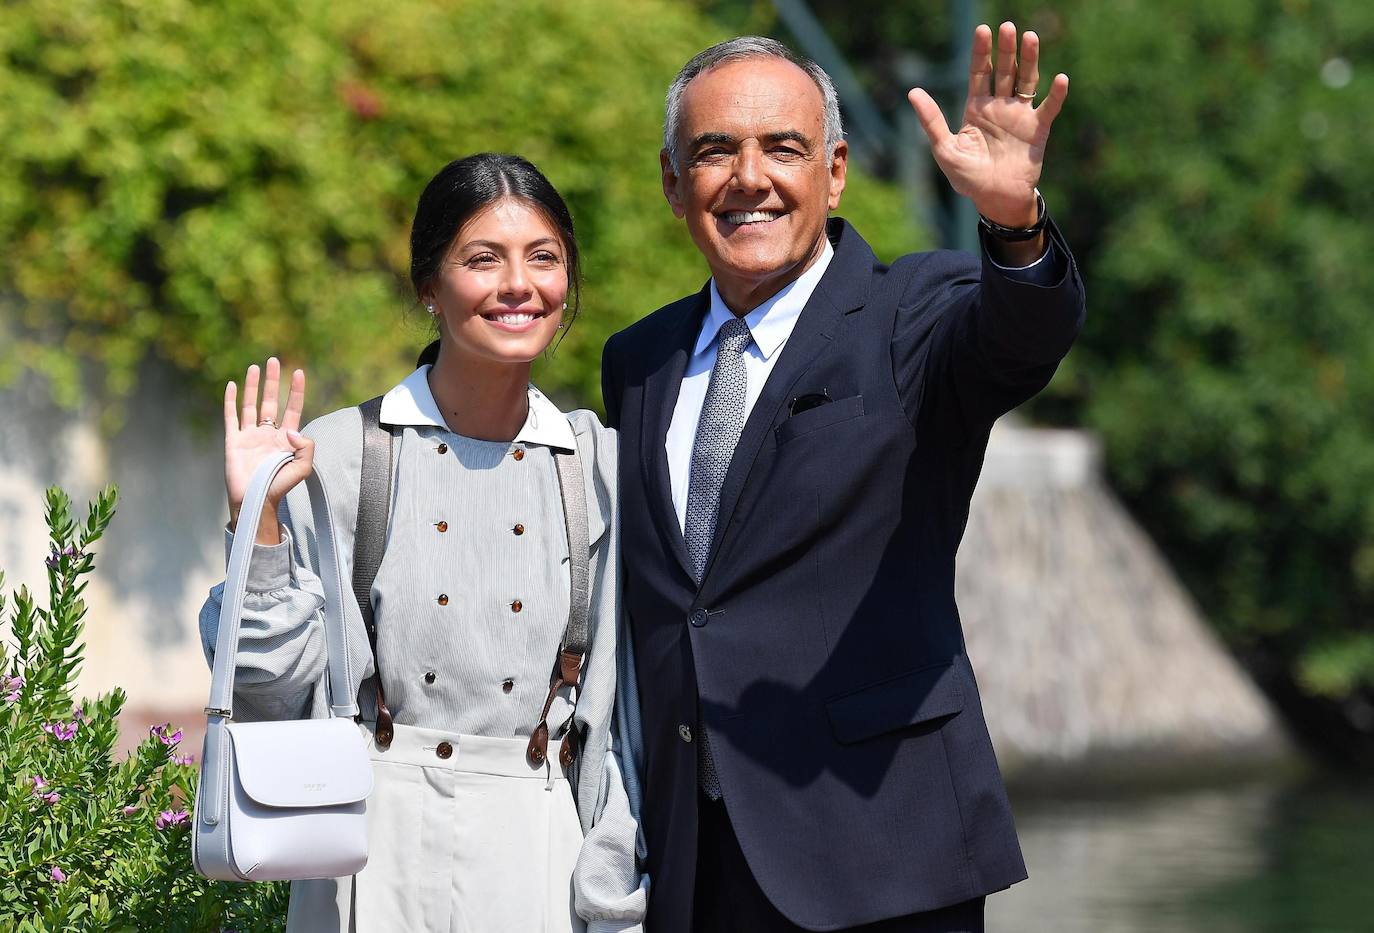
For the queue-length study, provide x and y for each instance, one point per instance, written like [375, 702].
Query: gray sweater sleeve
[609, 891]
[282, 654]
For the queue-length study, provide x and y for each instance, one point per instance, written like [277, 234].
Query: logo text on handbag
[314, 787]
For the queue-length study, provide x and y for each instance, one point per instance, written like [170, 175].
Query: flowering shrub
[89, 841]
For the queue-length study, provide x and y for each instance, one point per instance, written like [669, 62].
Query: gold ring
[268, 422]
[1024, 96]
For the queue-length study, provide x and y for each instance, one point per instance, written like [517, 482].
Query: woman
[471, 599]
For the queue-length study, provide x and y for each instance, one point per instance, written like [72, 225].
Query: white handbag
[282, 800]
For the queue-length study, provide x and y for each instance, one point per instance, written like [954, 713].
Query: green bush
[1218, 181]
[211, 182]
[89, 841]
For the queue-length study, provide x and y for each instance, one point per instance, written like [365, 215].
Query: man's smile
[748, 220]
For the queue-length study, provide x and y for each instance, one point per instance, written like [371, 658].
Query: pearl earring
[430, 308]
[565, 306]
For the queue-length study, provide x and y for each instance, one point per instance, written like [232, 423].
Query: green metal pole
[961, 221]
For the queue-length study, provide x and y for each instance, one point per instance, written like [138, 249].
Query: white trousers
[476, 842]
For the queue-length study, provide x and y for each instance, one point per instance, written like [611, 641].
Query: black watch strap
[1018, 234]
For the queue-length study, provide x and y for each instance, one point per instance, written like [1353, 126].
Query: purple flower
[54, 560]
[129, 810]
[169, 818]
[61, 731]
[58, 874]
[78, 715]
[183, 759]
[38, 785]
[161, 734]
[11, 686]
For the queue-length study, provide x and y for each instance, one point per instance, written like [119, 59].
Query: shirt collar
[771, 323]
[411, 404]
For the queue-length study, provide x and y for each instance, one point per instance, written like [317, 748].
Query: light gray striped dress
[471, 601]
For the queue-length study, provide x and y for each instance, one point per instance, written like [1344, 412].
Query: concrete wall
[161, 554]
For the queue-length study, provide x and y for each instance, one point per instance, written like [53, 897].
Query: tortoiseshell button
[444, 750]
[516, 606]
[430, 677]
[507, 686]
[443, 599]
[442, 448]
[519, 529]
[442, 526]
[519, 454]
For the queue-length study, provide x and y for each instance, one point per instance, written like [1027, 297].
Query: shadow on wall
[171, 485]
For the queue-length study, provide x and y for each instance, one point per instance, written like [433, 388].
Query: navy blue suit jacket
[823, 648]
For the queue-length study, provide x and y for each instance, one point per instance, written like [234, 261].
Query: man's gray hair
[739, 49]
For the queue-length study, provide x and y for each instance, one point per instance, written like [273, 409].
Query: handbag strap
[220, 708]
[369, 540]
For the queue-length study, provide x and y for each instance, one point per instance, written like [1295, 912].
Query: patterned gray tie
[718, 431]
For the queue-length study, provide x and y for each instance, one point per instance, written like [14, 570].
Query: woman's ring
[1024, 95]
[269, 422]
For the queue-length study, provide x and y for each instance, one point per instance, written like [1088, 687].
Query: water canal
[1255, 858]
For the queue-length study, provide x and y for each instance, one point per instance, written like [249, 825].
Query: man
[799, 442]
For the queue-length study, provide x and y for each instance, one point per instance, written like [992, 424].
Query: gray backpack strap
[574, 495]
[369, 539]
[575, 636]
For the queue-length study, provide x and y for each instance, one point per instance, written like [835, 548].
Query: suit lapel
[661, 388]
[843, 288]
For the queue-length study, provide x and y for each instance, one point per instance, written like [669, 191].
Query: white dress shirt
[770, 324]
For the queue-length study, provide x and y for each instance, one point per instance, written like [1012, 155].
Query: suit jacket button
[685, 732]
[698, 617]
[444, 750]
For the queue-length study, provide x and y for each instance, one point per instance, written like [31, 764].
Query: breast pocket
[822, 416]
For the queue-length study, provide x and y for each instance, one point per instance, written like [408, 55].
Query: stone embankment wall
[1092, 661]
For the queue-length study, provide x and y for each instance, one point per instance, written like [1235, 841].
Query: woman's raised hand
[252, 433]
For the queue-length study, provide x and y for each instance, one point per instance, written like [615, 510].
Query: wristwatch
[1018, 234]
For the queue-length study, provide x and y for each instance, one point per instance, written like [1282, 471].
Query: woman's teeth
[751, 217]
[512, 318]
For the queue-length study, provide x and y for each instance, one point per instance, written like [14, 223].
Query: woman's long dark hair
[463, 189]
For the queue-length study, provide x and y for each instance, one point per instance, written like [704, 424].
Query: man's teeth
[751, 217]
[513, 318]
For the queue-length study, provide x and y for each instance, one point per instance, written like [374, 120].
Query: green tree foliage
[213, 182]
[1212, 171]
[88, 840]
[1219, 179]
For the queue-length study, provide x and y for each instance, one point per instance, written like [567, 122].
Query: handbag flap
[302, 762]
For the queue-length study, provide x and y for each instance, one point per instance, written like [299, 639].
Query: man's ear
[839, 169]
[670, 183]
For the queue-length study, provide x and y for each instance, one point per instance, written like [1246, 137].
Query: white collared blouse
[471, 601]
